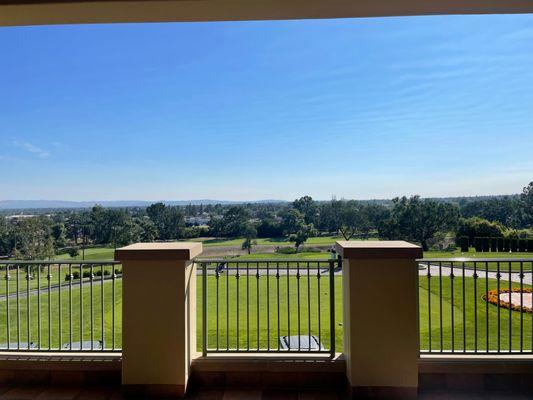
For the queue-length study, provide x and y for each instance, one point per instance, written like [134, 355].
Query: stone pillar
[381, 342]
[158, 317]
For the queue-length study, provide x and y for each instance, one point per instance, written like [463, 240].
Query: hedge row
[487, 244]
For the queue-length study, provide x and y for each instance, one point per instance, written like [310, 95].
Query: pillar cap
[159, 251]
[376, 249]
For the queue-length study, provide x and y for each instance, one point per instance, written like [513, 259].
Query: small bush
[507, 245]
[118, 271]
[486, 244]
[286, 250]
[500, 244]
[73, 252]
[75, 275]
[463, 243]
[478, 244]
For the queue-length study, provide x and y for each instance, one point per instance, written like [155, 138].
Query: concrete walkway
[469, 272]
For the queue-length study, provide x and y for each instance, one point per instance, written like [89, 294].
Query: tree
[300, 236]
[233, 223]
[478, 227]
[350, 220]
[308, 208]
[419, 220]
[169, 221]
[526, 206]
[249, 235]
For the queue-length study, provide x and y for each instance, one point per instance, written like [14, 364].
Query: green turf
[467, 333]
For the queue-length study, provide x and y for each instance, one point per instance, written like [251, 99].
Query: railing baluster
[440, 308]
[257, 300]
[521, 307]
[204, 309]
[39, 307]
[430, 332]
[28, 310]
[91, 277]
[8, 327]
[277, 303]
[227, 307]
[318, 301]
[475, 307]
[452, 277]
[510, 310]
[71, 278]
[298, 299]
[81, 306]
[59, 290]
[332, 306]
[237, 277]
[309, 306]
[102, 305]
[268, 303]
[499, 307]
[49, 279]
[464, 308]
[487, 341]
[288, 310]
[18, 306]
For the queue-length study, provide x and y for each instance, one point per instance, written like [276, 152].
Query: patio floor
[113, 393]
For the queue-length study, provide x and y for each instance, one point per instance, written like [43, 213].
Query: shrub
[118, 271]
[485, 244]
[507, 245]
[500, 244]
[286, 250]
[478, 244]
[87, 274]
[463, 243]
[75, 275]
[73, 252]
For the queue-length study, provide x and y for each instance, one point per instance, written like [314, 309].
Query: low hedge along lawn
[492, 297]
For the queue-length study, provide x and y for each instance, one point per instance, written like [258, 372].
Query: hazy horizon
[370, 108]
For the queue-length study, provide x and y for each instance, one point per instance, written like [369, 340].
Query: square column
[380, 292]
[158, 317]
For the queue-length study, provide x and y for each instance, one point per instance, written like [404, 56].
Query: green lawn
[464, 333]
[267, 310]
[61, 303]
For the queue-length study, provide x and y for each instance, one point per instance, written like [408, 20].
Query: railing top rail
[37, 262]
[269, 260]
[470, 259]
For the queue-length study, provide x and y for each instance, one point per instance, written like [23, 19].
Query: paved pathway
[458, 272]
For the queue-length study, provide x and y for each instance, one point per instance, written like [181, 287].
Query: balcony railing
[481, 306]
[268, 306]
[60, 306]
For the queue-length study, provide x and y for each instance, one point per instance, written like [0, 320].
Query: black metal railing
[60, 306]
[268, 305]
[475, 305]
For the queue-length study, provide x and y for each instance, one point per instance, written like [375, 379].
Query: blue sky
[358, 108]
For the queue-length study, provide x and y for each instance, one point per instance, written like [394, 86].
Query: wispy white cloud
[31, 148]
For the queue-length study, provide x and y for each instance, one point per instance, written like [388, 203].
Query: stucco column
[380, 317]
[158, 317]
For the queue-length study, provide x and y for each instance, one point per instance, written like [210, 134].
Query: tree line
[433, 223]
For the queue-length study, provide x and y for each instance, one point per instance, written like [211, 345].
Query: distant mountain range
[51, 204]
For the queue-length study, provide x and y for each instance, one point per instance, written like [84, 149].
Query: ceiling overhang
[40, 12]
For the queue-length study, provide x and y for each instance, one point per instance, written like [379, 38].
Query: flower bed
[493, 297]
